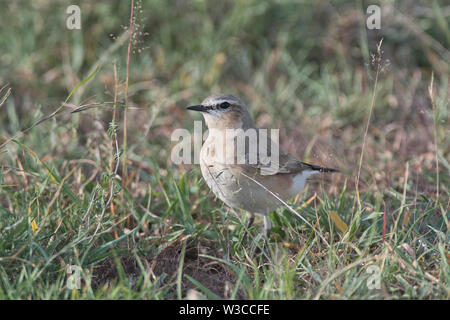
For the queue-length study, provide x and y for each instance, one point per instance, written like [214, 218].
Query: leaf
[341, 225]
[406, 217]
[34, 226]
[33, 223]
[373, 215]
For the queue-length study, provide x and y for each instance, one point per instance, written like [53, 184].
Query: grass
[93, 186]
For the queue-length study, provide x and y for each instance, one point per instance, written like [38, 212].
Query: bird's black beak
[198, 108]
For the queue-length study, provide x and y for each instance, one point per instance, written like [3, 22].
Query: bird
[255, 176]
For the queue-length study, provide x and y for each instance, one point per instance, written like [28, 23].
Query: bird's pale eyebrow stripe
[222, 101]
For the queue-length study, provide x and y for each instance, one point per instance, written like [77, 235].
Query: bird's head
[224, 111]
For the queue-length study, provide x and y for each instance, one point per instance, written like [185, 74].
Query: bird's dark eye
[224, 105]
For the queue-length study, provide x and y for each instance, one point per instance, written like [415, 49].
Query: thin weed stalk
[435, 120]
[125, 118]
[379, 67]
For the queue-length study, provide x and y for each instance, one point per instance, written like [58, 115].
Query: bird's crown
[223, 111]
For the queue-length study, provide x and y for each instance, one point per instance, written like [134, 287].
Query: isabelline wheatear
[245, 174]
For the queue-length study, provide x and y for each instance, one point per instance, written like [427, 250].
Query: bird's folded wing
[283, 164]
[270, 160]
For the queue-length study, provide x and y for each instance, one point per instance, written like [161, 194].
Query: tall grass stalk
[435, 124]
[124, 163]
[372, 103]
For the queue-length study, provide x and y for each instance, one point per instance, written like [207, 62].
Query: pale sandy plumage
[246, 185]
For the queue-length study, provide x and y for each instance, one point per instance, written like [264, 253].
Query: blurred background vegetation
[306, 66]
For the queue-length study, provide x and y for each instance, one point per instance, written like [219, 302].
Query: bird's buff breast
[234, 188]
